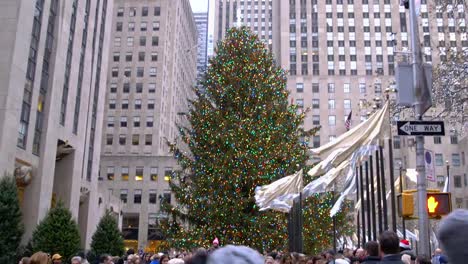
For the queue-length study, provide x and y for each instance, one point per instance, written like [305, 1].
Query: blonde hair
[39, 258]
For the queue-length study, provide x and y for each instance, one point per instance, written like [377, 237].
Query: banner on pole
[429, 162]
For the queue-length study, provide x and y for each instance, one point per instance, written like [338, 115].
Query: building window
[457, 181]
[299, 87]
[129, 41]
[125, 104]
[152, 72]
[116, 56]
[437, 140]
[440, 181]
[315, 103]
[300, 103]
[155, 41]
[141, 56]
[112, 104]
[456, 159]
[154, 173]
[119, 26]
[149, 121]
[439, 159]
[347, 103]
[142, 41]
[148, 139]
[331, 103]
[137, 196]
[129, 56]
[157, 11]
[151, 88]
[167, 198]
[315, 88]
[331, 120]
[122, 139]
[139, 87]
[110, 121]
[120, 12]
[136, 121]
[135, 139]
[110, 173]
[115, 72]
[331, 87]
[154, 56]
[113, 88]
[144, 11]
[123, 121]
[150, 103]
[128, 72]
[346, 88]
[331, 138]
[140, 71]
[362, 88]
[167, 174]
[453, 139]
[396, 142]
[117, 42]
[123, 195]
[139, 173]
[143, 27]
[316, 120]
[109, 139]
[155, 25]
[152, 197]
[124, 174]
[138, 104]
[316, 141]
[132, 11]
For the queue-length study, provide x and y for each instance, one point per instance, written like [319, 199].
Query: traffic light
[406, 204]
[438, 204]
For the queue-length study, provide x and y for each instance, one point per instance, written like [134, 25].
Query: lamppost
[403, 224]
[448, 175]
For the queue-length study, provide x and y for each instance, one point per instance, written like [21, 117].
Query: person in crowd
[133, 259]
[405, 249]
[164, 259]
[359, 255]
[438, 257]
[40, 258]
[389, 248]
[24, 260]
[155, 259]
[372, 253]
[286, 259]
[176, 261]
[269, 260]
[235, 255]
[76, 260]
[56, 259]
[422, 259]
[105, 259]
[453, 236]
[200, 256]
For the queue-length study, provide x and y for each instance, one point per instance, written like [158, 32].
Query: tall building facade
[53, 74]
[201, 20]
[341, 55]
[151, 72]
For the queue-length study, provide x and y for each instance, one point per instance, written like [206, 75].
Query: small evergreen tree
[107, 239]
[11, 228]
[57, 233]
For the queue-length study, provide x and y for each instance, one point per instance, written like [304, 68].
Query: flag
[279, 195]
[348, 121]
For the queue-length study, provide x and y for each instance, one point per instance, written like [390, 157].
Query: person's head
[330, 254]
[164, 259]
[286, 259]
[453, 236]
[215, 242]
[24, 260]
[348, 253]
[76, 260]
[200, 256]
[105, 259]
[438, 251]
[269, 260]
[235, 255]
[372, 248]
[360, 253]
[56, 259]
[389, 243]
[40, 258]
[176, 261]
[423, 259]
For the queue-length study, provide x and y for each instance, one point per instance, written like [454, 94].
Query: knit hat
[216, 241]
[453, 236]
[405, 244]
[235, 255]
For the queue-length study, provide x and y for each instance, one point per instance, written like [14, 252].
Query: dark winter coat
[371, 260]
[391, 259]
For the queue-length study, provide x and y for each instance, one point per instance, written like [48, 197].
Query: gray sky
[199, 5]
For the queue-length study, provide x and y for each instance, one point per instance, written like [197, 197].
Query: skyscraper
[341, 56]
[152, 68]
[201, 20]
[53, 64]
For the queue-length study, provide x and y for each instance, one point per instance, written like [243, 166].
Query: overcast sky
[199, 5]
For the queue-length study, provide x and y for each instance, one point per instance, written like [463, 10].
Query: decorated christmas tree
[107, 239]
[11, 228]
[57, 233]
[242, 133]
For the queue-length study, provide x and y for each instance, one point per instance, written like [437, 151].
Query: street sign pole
[418, 83]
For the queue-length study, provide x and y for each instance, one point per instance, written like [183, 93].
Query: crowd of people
[389, 249]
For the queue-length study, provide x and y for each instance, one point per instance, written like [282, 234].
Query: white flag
[279, 195]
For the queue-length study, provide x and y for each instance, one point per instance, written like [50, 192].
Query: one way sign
[421, 128]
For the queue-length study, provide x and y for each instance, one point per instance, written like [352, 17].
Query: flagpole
[368, 205]
[379, 191]
[392, 184]
[357, 199]
[374, 221]
[363, 211]
[384, 192]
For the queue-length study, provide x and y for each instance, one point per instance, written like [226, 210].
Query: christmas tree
[57, 233]
[107, 239]
[242, 134]
[11, 228]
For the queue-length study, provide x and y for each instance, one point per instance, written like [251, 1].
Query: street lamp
[448, 175]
